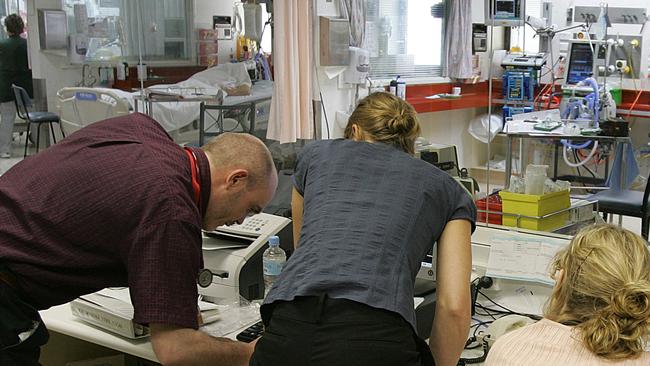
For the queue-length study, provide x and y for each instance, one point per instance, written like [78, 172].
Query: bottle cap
[274, 241]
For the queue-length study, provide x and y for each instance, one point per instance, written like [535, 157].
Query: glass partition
[108, 30]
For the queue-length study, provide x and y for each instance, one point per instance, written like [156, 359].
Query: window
[404, 37]
[524, 37]
[160, 29]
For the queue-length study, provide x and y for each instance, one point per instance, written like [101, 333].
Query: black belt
[323, 307]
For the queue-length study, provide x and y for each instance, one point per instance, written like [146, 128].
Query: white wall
[55, 69]
[450, 127]
[340, 97]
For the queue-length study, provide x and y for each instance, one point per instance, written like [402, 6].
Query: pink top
[549, 343]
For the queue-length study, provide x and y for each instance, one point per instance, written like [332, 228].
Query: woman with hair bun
[599, 311]
[365, 214]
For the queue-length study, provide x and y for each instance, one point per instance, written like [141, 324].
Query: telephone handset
[498, 328]
[506, 324]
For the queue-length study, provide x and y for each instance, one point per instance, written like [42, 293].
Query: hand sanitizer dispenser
[359, 66]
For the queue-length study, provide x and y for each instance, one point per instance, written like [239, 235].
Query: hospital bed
[174, 106]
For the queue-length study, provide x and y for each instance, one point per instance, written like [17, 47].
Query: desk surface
[60, 319]
[557, 136]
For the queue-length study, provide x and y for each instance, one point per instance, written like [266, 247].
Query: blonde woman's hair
[383, 117]
[605, 290]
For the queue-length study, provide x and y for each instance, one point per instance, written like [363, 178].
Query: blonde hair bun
[383, 117]
[400, 123]
[632, 301]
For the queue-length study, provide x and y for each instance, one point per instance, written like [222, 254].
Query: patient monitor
[234, 256]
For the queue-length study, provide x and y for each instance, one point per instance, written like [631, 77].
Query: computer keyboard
[251, 333]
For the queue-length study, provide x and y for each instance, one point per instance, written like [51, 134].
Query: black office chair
[627, 203]
[22, 103]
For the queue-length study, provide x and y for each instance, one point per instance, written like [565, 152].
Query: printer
[444, 157]
[234, 256]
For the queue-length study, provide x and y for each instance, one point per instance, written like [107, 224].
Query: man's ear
[237, 179]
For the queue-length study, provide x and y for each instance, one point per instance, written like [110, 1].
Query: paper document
[118, 301]
[522, 257]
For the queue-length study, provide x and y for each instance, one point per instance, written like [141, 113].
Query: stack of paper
[111, 309]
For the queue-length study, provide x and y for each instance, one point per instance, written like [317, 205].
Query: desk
[556, 138]
[59, 319]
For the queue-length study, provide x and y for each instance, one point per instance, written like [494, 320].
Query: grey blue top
[371, 215]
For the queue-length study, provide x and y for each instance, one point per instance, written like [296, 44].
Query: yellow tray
[535, 206]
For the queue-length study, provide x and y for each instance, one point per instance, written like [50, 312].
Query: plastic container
[535, 177]
[392, 87]
[273, 261]
[494, 201]
[401, 88]
[535, 206]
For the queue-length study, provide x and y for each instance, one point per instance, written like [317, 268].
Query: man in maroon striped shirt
[118, 203]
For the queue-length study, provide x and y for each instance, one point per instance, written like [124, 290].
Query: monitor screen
[507, 7]
[581, 63]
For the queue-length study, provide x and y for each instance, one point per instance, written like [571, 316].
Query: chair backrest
[80, 107]
[22, 101]
[646, 195]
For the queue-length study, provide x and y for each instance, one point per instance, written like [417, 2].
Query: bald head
[237, 150]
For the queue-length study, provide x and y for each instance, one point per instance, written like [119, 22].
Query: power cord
[483, 344]
[482, 340]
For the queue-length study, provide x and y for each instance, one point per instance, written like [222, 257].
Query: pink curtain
[291, 112]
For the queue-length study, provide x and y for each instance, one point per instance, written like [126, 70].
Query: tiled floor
[17, 151]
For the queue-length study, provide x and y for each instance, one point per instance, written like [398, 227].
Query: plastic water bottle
[401, 88]
[273, 260]
[392, 87]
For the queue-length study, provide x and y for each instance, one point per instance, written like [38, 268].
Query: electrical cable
[532, 316]
[573, 165]
[322, 103]
[575, 154]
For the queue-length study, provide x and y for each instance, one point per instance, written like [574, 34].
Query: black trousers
[315, 331]
[22, 332]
